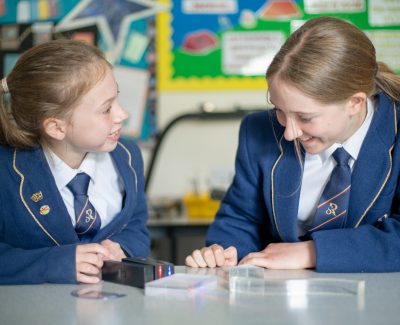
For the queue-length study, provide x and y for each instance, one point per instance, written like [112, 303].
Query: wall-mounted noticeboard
[125, 34]
[228, 44]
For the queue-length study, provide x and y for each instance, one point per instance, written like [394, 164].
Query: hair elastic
[4, 85]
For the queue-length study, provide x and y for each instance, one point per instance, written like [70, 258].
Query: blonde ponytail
[10, 133]
[387, 81]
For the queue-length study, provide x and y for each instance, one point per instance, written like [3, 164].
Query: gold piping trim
[130, 164]
[273, 186]
[388, 174]
[24, 202]
[134, 173]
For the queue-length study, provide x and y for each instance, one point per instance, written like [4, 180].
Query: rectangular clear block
[252, 280]
[180, 285]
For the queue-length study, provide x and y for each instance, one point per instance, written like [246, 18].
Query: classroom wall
[207, 47]
[200, 150]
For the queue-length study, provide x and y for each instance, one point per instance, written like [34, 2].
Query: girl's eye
[305, 119]
[107, 110]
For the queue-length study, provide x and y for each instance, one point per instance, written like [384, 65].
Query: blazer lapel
[286, 178]
[123, 161]
[376, 148]
[40, 197]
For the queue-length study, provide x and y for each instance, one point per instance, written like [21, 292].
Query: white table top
[54, 304]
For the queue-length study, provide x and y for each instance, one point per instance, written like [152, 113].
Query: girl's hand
[116, 252]
[89, 261]
[284, 256]
[212, 256]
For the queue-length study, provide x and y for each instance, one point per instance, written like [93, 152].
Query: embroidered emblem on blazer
[36, 197]
[44, 209]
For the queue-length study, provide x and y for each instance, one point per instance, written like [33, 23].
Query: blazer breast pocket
[381, 209]
[384, 201]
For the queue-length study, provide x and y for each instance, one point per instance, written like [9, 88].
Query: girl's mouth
[114, 136]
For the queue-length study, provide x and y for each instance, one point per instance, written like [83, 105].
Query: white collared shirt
[106, 187]
[318, 168]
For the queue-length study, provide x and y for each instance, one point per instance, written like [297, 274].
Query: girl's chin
[312, 145]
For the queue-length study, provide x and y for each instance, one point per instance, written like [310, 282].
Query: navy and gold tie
[87, 220]
[334, 202]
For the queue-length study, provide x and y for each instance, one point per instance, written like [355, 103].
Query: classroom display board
[228, 44]
[123, 29]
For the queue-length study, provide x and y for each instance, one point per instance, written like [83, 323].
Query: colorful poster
[123, 29]
[228, 44]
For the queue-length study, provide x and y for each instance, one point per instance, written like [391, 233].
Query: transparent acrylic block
[250, 279]
[180, 285]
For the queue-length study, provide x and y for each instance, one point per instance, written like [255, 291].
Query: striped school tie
[87, 220]
[334, 202]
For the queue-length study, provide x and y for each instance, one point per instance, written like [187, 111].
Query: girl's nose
[292, 131]
[121, 114]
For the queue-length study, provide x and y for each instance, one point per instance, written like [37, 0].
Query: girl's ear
[357, 103]
[55, 128]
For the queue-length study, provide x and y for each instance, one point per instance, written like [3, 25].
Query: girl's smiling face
[95, 123]
[315, 125]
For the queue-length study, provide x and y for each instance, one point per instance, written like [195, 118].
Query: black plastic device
[160, 268]
[136, 271]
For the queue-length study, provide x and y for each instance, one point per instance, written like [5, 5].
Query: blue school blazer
[261, 205]
[36, 246]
